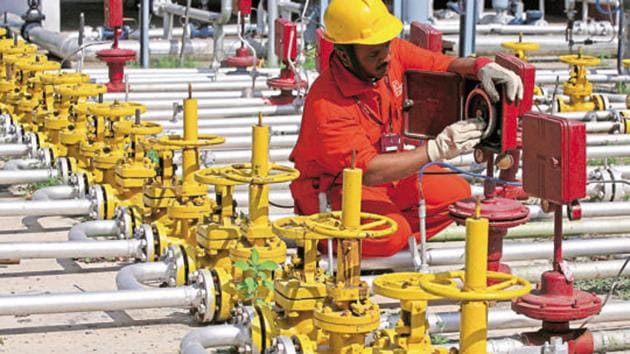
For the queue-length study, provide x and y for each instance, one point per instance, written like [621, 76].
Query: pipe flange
[145, 234]
[45, 155]
[177, 261]
[124, 222]
[97, 197]
[79, 182]
[205, 311]
[283, 345]
[32, 141]
[606, 188]
[19, 133]
[63, 170]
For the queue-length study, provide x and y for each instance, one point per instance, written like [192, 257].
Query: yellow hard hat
[360, 22]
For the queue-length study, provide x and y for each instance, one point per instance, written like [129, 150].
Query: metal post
[467, 27]
[144, 33]
[272, 14]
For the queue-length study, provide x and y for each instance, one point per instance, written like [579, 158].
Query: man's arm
[391, 167]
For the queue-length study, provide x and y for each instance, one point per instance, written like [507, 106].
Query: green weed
[255, 278]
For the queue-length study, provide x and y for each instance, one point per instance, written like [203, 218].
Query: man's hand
[492, 74]
[456, 139]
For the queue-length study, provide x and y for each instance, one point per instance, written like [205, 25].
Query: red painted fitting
[241, 60]
[116, 59]
[580, 341]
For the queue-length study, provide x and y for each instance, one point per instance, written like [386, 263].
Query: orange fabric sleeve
[414, 57]
[338, 133]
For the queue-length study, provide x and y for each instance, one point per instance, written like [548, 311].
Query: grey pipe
[196, 86]
[607, 139]
[23, 305]
[134, 276]
[511, 252]
[448, 322]
[178, 96]
[21, 164]
[580, 270]
[7, 150]
[84, 231]
[545, 229]
[229, 157]
[228, 112]
[45, 208]
[75, 249]
[272, 14]
[10, 177]
[243, 133]
[589, 210]
[55, 193]
[226, 335]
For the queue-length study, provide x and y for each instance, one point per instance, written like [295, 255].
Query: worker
[354, 111]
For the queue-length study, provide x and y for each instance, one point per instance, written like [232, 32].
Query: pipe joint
[606, 185]
[124, 222]
[205, 309]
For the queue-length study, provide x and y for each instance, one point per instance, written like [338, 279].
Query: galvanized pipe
[176, 97]
[227, 112]
[75, 249]
[545, 229]
[580, 270]
[229, 157]
[226, 335]
[9, 177]
[134, 276]
[261, 84]
[45, 208]
[607, 139]
[84, 231]
[21, 164]
[55, 193]
[23, 305]
[589, 210]
[511, 251]
[241, 132]
[7, 150]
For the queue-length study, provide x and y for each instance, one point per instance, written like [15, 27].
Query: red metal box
[554, 158]
[286, 39]
[425, 36]
[527, 73]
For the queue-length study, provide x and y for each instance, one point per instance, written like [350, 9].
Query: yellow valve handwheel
[63, 78]
[330, 224]
[293, 227]
[406, 286]
[521, 46]
[6, 86]
[80, 90]
[116, 109]
[626, 63]
[580, 60]
[214, 176]
[7, 47]
[242, 172]
[3, 32]
[37, 66]
[491, 293]
[144, 128]
[175, 142]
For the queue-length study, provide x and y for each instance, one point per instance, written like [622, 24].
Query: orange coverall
[334, 124]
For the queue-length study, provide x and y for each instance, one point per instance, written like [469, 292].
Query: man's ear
[344, 57]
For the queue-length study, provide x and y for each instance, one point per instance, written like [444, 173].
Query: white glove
[456, 139]
[492, 74]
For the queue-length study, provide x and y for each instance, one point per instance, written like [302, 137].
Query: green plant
[53, 181]
[255, 278]
[438, 339]
[153, 156]
[622, 88]
[309, 63]
[602, 286]
[167, 62]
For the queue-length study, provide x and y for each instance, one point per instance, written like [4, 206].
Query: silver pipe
[511, 251]
[141, 97]
[9, 177]
[55, 193]
[75, 249]
[589, 210]
[226, 335]
[272, 14]
[21, 164]
[84, 231]
[242, 132]
[545, 229]
[549, 45]
[607, 139]
[551, 79]
[602, 127]
[45, 208]
[229, 157]
[243, 142]
[580, 270]
[22, 305]
[162, 8]
[205, 103]
[7, 150]
[237, 123]
[611, 340]
[497, 29]
[448, 322]
[102, 72]
[133, 277]
[228, 112]
[196, 86]
[587, 116]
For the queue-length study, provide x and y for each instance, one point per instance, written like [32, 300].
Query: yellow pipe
[190, 162]
[350, 250]
[259, 193]
[473, 325]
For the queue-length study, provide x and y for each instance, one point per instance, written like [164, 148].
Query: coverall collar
[348, 84]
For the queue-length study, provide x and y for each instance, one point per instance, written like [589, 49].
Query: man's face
[374, 59]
